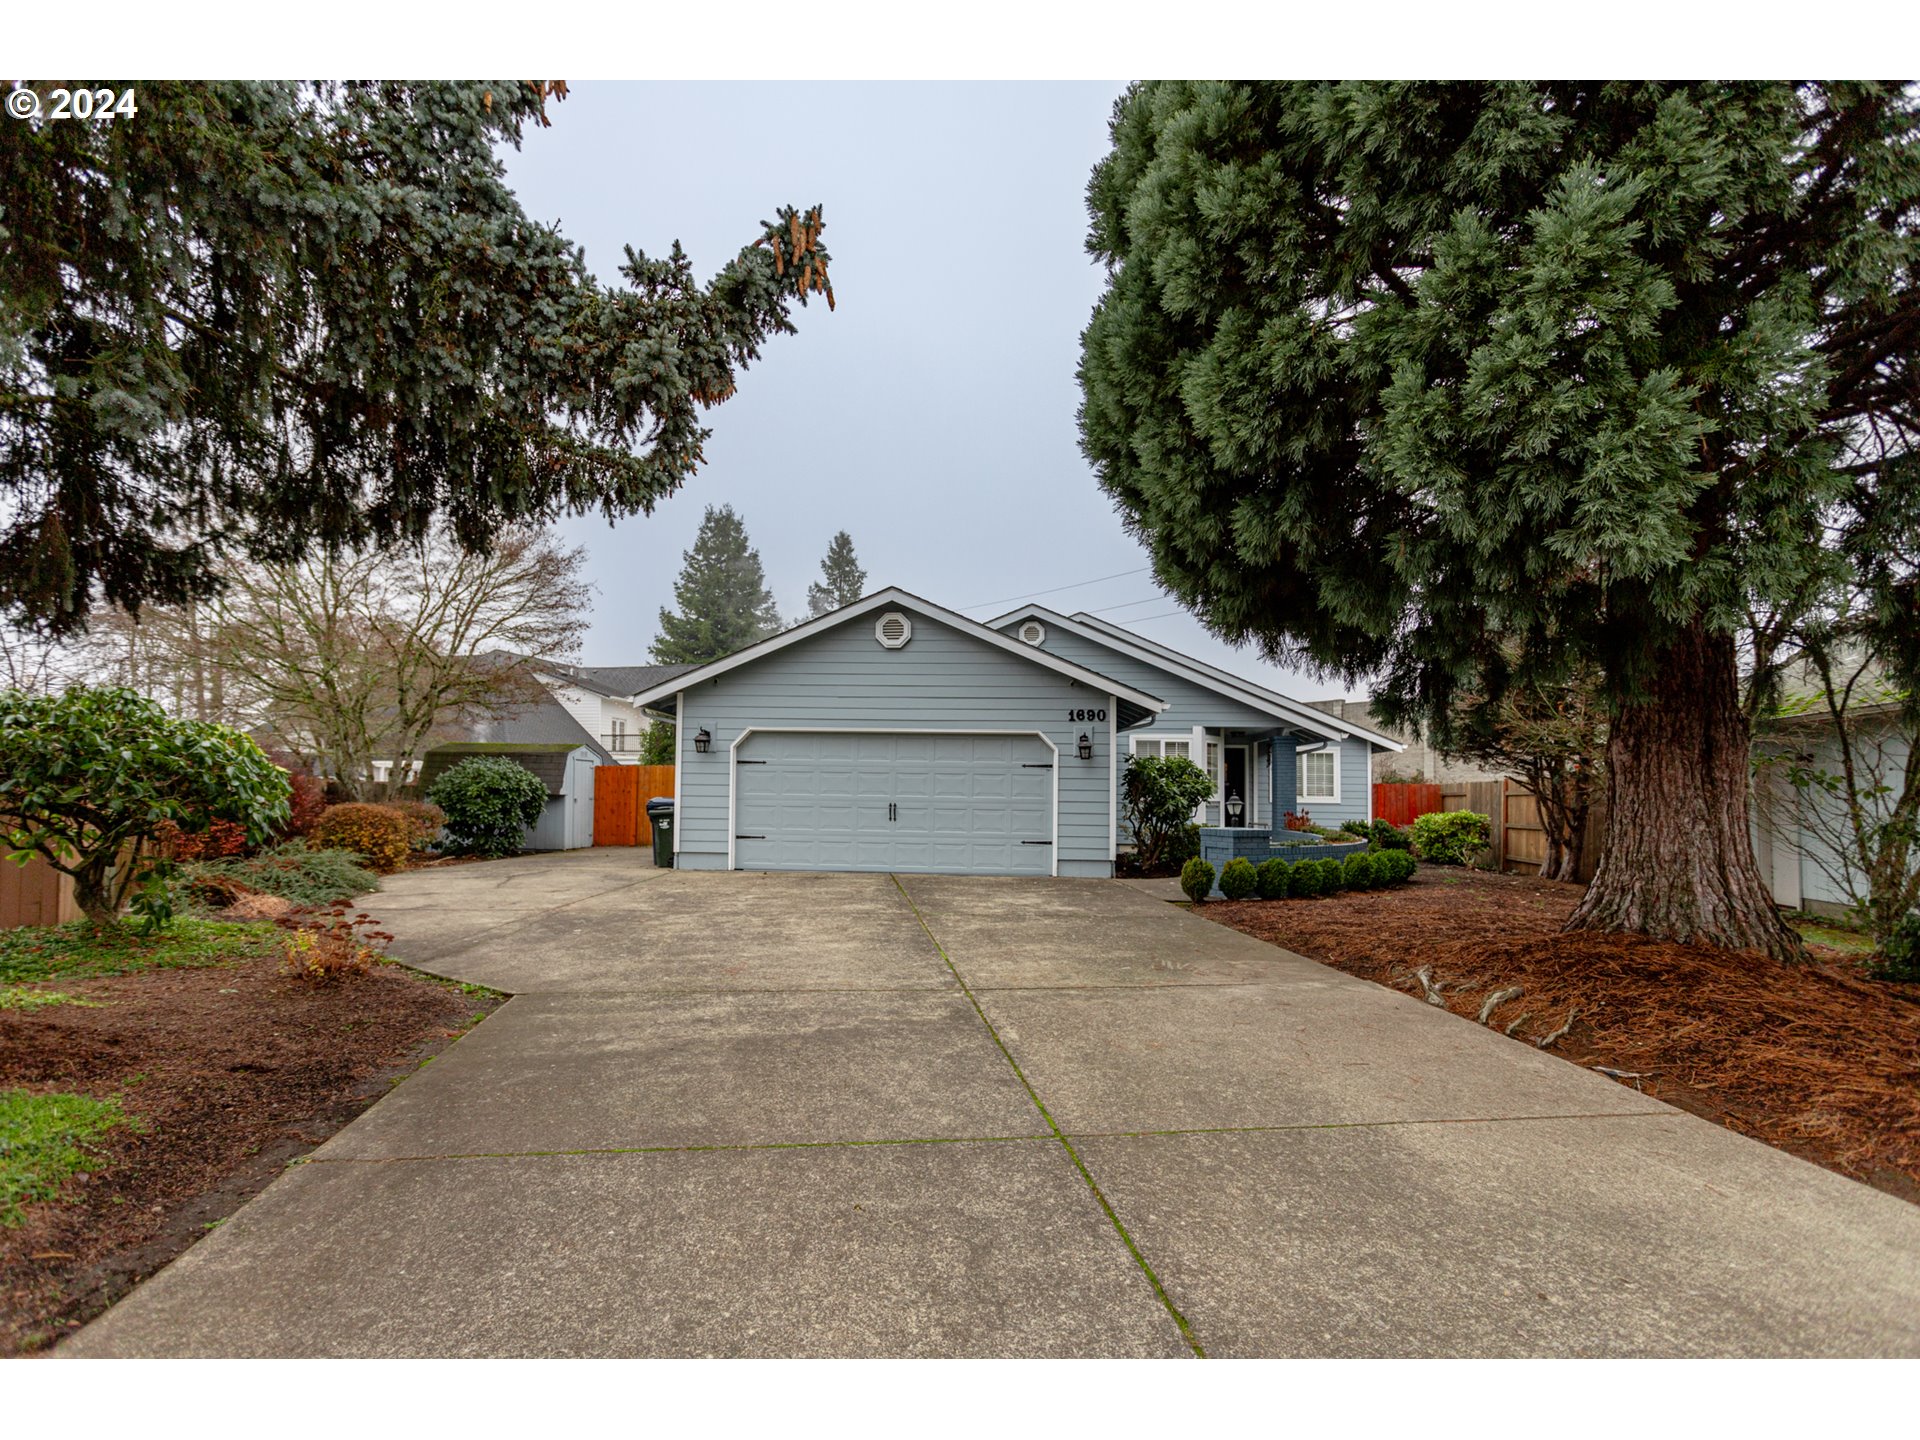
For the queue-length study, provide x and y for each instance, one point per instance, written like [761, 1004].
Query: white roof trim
[1200, 673]
[880, 599]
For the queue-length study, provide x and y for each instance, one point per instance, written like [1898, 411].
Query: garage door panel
[895, 801]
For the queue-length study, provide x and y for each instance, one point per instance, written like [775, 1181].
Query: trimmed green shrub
[1303, 879]
[1239, 880]
[1357, 872]
[1392, 867]
[489, 801]
[1388, 836]
[293, 872]
[1451, 837]
[381, 837]
[1332, 878]
[1357, 828]
[423, 818]
[1272, 875]
[1196, 878]
[1899, 957]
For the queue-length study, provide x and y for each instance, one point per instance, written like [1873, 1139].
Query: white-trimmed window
[1318, 775]
[1154, 745]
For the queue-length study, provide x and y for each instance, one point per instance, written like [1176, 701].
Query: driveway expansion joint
[1066, 1144]
[752, 1146]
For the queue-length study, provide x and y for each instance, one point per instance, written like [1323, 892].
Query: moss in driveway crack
[673, 1149]
[1186, 1330]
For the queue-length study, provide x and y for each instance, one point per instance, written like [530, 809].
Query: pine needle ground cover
[1812, 1058]
[174, 1078]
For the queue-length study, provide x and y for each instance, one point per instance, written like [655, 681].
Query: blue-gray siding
[942, 681]
[1191, 704]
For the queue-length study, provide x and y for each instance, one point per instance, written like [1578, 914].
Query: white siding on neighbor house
[612, 710]
[1794, 830]
[582, 705]
[942, 680]
[1191, 704]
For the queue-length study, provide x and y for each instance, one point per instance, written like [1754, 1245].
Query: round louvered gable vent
[893, 630]
[1034, 633]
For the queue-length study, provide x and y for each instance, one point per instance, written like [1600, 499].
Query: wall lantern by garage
[1086, 746]
[703, 741]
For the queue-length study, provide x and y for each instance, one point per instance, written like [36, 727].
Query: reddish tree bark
[1679, 860]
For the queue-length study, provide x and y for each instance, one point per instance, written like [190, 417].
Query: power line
[1128, 605]
[1142, 619]
[1036, 594]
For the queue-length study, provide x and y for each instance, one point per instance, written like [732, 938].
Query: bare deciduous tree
[361, 656]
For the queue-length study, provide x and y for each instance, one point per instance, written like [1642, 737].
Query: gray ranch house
[894, 734]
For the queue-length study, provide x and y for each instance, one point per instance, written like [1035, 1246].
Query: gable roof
[1198, 672]
[616, 682]
[879, 600]
[542, 722]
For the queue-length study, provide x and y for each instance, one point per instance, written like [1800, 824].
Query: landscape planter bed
[232, 1070]
[1220, 845]
[1812, 1058]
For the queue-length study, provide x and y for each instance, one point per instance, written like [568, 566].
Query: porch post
[1286, 785]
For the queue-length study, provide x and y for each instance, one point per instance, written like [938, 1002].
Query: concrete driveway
[859, 1115]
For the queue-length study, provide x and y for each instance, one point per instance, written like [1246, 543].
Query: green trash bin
[660, 816]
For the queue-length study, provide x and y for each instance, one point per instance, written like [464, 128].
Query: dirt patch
[1814, 1058]
[232, 1071]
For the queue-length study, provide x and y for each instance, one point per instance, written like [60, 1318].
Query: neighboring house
[1800, 833]
[894, 734]
[545, 739]
[600, 698]
[1419, 758]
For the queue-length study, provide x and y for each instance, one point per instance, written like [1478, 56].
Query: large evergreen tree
[722, 594]
[842, 581]
[1466, 385]
[256, 319]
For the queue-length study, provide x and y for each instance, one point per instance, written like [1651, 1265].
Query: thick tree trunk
[1679, 861]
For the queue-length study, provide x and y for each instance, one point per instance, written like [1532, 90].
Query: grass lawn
[44, 1140]
[76, 950]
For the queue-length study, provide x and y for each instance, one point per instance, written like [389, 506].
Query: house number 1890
[1079, 715]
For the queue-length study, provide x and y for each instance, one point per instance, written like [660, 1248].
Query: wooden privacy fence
[620, 795]
[35, 894]
[1402, 804]
[1519, 839]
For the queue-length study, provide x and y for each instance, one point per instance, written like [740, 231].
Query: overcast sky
[932, 414]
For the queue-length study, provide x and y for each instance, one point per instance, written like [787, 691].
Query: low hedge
[379, 835]
[1239, 880]
[1196, 878]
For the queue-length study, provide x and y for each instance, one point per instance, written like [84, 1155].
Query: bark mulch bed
[232, 1070]
[1814, 1059]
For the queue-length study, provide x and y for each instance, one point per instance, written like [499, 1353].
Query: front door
[1236, 802]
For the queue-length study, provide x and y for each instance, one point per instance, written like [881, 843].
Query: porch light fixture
[703, 741]
[1086, 746]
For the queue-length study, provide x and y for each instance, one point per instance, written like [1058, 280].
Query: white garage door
[944, 804]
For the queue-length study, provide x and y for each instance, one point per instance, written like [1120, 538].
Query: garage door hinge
[1036, 842]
